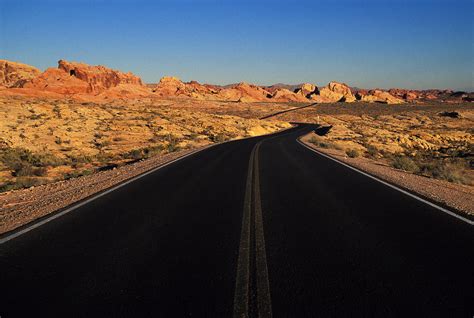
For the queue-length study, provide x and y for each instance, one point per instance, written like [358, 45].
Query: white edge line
[470, 222]
[96, 196]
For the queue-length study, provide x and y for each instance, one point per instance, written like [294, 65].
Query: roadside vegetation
[453, 165]
[451, 169]
[46, 140]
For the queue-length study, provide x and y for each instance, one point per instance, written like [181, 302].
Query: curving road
[258, 227]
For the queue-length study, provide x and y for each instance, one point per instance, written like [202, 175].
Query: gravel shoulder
[455, 196]
[20, 207]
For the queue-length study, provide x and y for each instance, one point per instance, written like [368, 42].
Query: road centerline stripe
[263, 285]
[252, 287]
[241, 295]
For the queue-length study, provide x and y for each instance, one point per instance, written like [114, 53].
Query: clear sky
[365, 43]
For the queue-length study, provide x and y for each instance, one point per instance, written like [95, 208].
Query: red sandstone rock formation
[80, 78]
[13, 74]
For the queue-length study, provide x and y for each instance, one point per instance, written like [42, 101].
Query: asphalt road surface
[259, 227]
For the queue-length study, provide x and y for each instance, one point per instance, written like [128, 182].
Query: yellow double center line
[252, 288]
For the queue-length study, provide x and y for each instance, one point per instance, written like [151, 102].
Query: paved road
[261, 227]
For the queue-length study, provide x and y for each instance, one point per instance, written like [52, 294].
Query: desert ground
[77, 119]
[49, 140]
[46, 140]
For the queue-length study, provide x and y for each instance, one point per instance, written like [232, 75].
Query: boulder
[379, 96]
[170, 86]
[337, 92]
[285, 95]
[307, 90]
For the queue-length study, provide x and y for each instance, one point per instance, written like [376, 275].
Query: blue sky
[384, 43]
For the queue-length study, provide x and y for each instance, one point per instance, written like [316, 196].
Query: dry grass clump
[352, 153]
[449, 169]
[403, 162]
[322, 143]
[26, 168]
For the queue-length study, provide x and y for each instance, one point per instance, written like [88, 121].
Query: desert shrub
[57, 111]
[318, 142]
[172, 145]
[103, 157]
[74, 160]
[102, 144]
[352, 153]
[19, 158]
[135, 154]
[454, 171]
[35, 116]
[40, 171]
[219, 137]
[26, 182]
[76, 174]
[193, 136]
[20, 183]
[22, 169]
[372, 151]
[403, 162]
[153, 150]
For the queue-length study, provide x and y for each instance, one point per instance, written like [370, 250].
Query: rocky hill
[98, 83]
[80, 78]
[14, 74]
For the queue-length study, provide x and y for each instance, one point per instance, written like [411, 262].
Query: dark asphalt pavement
[322, 241]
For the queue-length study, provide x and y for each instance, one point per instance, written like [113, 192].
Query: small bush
[57, 111]
[320, 143]
[450, 171]
[352, 153]
[135, 154]
[404, 163]
[23, 169]
[372, 151]
[76, 174]
[35, 116]
[219, 137]
[172, 147]
[193, 136]
[20, 183]
[26, 183]
[80, 159]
